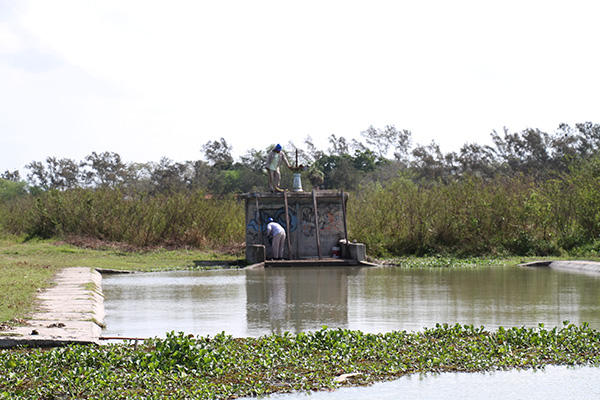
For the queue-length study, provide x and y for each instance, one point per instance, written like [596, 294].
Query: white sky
[149, 79]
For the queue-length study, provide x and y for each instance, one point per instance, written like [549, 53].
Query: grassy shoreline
[27, 267]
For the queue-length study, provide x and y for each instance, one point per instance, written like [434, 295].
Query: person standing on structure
[275, 158]
[278, 233]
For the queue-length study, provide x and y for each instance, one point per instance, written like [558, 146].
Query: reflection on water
[261, 301]
[296, 300]
[151, 304]
[258, 302]
[410, 299]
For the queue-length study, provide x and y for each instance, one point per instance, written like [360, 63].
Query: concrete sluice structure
[315, 224]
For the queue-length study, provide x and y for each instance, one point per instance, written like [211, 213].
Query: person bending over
[278, 233]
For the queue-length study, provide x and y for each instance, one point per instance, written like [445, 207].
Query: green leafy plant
[222, 367]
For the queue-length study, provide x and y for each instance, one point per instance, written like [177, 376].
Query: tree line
[529, 193]
[380, 156]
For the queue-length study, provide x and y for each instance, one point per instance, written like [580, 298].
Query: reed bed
[140, 220]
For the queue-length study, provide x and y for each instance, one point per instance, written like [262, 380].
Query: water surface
[258, 302]
[581, 383]
[261, 301]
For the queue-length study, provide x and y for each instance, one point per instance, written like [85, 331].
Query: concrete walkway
[592, 267]
[72, 311]
[581, 266]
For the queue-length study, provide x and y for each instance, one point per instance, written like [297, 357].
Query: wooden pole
[287, 226]
[314, 195]
[297, 235]
[258, 220]
[344, 215]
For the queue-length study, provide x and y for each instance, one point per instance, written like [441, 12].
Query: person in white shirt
[275, 158]
[278, 233]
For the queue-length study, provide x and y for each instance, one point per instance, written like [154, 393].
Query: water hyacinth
[222, 367]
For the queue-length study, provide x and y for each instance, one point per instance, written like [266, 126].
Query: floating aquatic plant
[221, 367]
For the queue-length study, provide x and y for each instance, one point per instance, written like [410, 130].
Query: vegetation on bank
[502, 216]
[530, 193]
[177, 220]
[472, 217]
[223, 367]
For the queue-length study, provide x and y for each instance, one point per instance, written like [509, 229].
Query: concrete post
[357, 251]
[255, 253]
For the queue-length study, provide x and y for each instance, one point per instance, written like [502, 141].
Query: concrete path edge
[584, 266]
[70, 312]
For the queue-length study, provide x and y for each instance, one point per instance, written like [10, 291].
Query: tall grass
[505, 216]
[468, 217]
[180, 219]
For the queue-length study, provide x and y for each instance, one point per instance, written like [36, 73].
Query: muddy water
[581, 383]
[259, 302]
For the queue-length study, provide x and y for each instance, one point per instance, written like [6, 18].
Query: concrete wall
[301, 217]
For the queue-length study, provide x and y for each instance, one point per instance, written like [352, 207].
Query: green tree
[312, 153]
[589, 134]
[430, 164]
[338, 172]
[367, 161]
[57, 174]
[218, 154]
[526, 152]
[381, 141]
[10, 189]
[105, 169]
[254, 159]
[14, 176]
[338, 146]
[477, 160]
[169, 177]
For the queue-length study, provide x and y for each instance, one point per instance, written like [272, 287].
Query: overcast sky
[149, 79]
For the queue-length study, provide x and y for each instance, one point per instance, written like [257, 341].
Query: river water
[262, 301]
